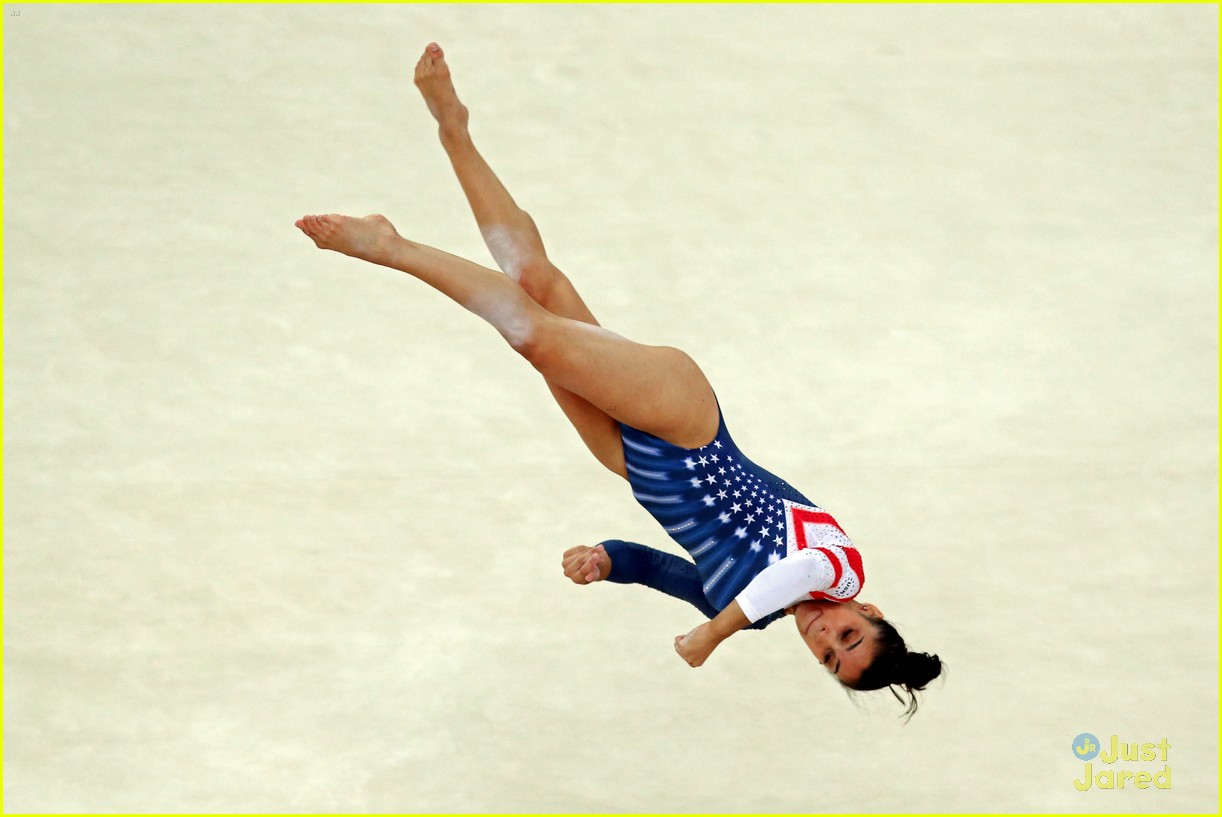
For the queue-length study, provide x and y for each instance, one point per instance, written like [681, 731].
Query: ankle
[455, 136]
[396, 252]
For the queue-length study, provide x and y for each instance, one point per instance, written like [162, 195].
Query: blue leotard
[733, 517]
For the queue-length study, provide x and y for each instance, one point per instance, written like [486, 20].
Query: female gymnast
[761, 549]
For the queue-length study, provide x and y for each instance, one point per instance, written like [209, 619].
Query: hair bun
[916, 669]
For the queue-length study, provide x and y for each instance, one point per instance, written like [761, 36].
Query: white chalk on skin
[504, 250]
[505, 315]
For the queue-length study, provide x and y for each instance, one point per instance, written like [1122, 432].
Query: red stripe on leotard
[799, 530]
[839, 571]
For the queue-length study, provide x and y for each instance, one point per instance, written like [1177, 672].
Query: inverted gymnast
[761, 549]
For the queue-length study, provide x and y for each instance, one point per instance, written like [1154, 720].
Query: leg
[515, 244]
[657, 389]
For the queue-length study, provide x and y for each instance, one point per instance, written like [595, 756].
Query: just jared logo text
[1086, 747]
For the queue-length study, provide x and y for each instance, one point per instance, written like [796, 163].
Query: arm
[698, 645]
[630, 563]
[782, 583]
[763, 600]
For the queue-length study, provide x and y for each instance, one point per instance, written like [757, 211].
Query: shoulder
[849, 572]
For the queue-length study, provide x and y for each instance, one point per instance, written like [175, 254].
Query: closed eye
[845, 637]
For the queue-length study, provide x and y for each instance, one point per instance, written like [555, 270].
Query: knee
[529, 334]
[525, 343]
[538, 276]
[532, 340]
[515, 317]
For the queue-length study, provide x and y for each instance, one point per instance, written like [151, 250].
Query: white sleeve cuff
[748, 608]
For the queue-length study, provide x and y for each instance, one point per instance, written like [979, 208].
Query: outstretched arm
[664, 572]
[629, 563]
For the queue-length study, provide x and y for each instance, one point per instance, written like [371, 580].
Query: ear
[871, 611]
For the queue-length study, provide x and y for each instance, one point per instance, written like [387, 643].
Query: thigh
[552, 290]
[597, 430]
[657, 389]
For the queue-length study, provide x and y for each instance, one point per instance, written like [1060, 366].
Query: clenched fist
[586, 564]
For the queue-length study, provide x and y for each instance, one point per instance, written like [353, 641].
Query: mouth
[812, 621]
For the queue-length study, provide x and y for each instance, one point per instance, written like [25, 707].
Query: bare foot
[433, 80]
[367, 238]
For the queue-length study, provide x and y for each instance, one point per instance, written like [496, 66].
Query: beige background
[282, 530]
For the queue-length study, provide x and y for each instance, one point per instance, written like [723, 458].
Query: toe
[332, 223]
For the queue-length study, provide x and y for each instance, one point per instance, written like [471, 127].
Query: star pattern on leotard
[732, 517]
[754, 507]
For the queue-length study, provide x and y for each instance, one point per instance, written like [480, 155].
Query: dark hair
[894, 666]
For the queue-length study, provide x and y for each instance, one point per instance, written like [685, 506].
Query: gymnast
[762, 550]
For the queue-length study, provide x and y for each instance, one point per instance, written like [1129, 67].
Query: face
[839, 634]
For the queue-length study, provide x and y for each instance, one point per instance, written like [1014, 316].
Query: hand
[585, 565]
[696, 646]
